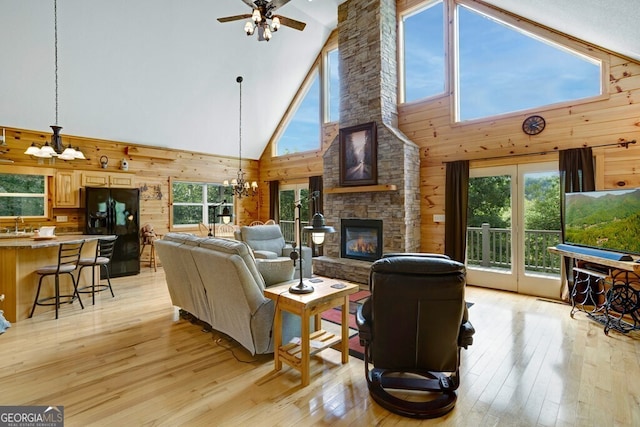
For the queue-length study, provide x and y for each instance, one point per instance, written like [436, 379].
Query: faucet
[18, 218]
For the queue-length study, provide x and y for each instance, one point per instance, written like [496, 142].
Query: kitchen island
[21, 257]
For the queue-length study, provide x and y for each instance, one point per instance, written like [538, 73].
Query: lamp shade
[318, 228]
[32, 150]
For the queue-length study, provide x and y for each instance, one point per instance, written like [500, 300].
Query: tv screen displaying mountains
[604, 219]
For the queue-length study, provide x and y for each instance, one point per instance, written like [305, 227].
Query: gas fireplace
[361, 239]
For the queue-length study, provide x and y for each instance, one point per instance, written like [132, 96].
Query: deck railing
[491, 247]
[289, 231]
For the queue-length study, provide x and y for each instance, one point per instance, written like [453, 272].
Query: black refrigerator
[115, 211]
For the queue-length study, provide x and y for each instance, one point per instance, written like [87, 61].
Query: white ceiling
[163, 72]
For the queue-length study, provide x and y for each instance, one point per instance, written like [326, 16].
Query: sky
[501, 70]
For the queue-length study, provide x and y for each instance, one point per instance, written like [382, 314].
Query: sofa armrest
[307, 265]
[275, 270]
[265, 255]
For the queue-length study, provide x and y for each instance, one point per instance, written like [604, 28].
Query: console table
[607, 290]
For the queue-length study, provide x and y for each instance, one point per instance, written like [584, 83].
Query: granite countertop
[35, 243]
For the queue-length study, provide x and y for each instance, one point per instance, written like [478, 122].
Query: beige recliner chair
[267, 242]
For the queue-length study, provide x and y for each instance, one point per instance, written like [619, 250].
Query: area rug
[332, 320]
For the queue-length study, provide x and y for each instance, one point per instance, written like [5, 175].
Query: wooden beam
[361, 189]
[150, 152]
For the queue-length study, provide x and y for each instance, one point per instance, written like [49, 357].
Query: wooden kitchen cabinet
[67, 189]
[108, 179]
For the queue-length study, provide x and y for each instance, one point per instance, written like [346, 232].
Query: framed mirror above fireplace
[361, 239]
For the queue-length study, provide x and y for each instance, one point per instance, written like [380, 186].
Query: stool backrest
[69, 253]
[104, 249]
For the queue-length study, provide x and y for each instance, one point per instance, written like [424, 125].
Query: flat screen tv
[606, 220]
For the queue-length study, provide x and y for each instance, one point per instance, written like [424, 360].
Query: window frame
[544, 34]
[205, 206]
[320, 66]
[297, 188]
[530, 29]
[447, 37]
[46, 175]
[325, 98]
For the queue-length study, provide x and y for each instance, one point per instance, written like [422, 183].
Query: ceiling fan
[263, 13]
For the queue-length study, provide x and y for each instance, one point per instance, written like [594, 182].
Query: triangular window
[502, 69]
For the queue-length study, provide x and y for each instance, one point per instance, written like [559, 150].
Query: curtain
[315, 184]
[456, 203]
[274, 201]
[577, 174]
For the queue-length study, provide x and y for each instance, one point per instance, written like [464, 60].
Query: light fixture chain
[55, 30]
[240, 127]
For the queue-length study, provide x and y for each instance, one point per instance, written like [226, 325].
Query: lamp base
[301, 288]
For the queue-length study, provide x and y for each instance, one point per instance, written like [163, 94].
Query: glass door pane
[489, 228]
[539, 270]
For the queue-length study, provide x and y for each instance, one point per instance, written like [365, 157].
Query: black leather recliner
[412, 328]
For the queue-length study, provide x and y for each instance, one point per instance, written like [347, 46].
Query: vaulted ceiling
[163, 72]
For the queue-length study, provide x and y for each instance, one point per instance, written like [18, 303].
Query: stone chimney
[368, 93]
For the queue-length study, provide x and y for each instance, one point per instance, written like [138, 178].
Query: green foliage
[490, 201]
[13, 183]
[542, 203]
[189, 205]
[15, 190]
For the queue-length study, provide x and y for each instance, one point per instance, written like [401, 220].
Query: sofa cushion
[235, 247]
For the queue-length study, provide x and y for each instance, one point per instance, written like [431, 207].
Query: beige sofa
[218, 281]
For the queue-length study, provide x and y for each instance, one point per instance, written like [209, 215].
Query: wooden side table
[325, 297]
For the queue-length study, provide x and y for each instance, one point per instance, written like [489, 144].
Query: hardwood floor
[131, 361]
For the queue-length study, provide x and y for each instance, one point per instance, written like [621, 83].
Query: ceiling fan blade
[249, 3]
[296, 25]
[234, 18]
[276, 4]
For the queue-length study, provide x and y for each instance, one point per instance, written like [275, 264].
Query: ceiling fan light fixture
[249, 28]
[267, 33]
[256, 16]
[275, 23]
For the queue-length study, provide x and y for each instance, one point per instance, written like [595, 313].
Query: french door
[514, 216]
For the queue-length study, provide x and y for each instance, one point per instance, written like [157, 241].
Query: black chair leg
[35, 301]
[106, 269]
[57, 295]
[75, 290]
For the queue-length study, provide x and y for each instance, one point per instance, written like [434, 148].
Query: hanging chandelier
[55, 149]
[240, 186]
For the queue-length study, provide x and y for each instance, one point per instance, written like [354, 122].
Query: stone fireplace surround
[368, 88]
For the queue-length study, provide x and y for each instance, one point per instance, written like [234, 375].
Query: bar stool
[68, 257]
[147, 237]
[101, 259]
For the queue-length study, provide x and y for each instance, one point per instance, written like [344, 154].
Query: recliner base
[437, 385]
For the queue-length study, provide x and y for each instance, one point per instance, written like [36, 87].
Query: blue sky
[502, 70]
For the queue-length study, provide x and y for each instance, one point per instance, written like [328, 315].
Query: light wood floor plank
[131, 360]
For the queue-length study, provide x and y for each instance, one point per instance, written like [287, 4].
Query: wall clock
[533, 125]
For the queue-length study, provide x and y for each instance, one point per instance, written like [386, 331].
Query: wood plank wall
[612, 118]
[615, 117]
[153, 169]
